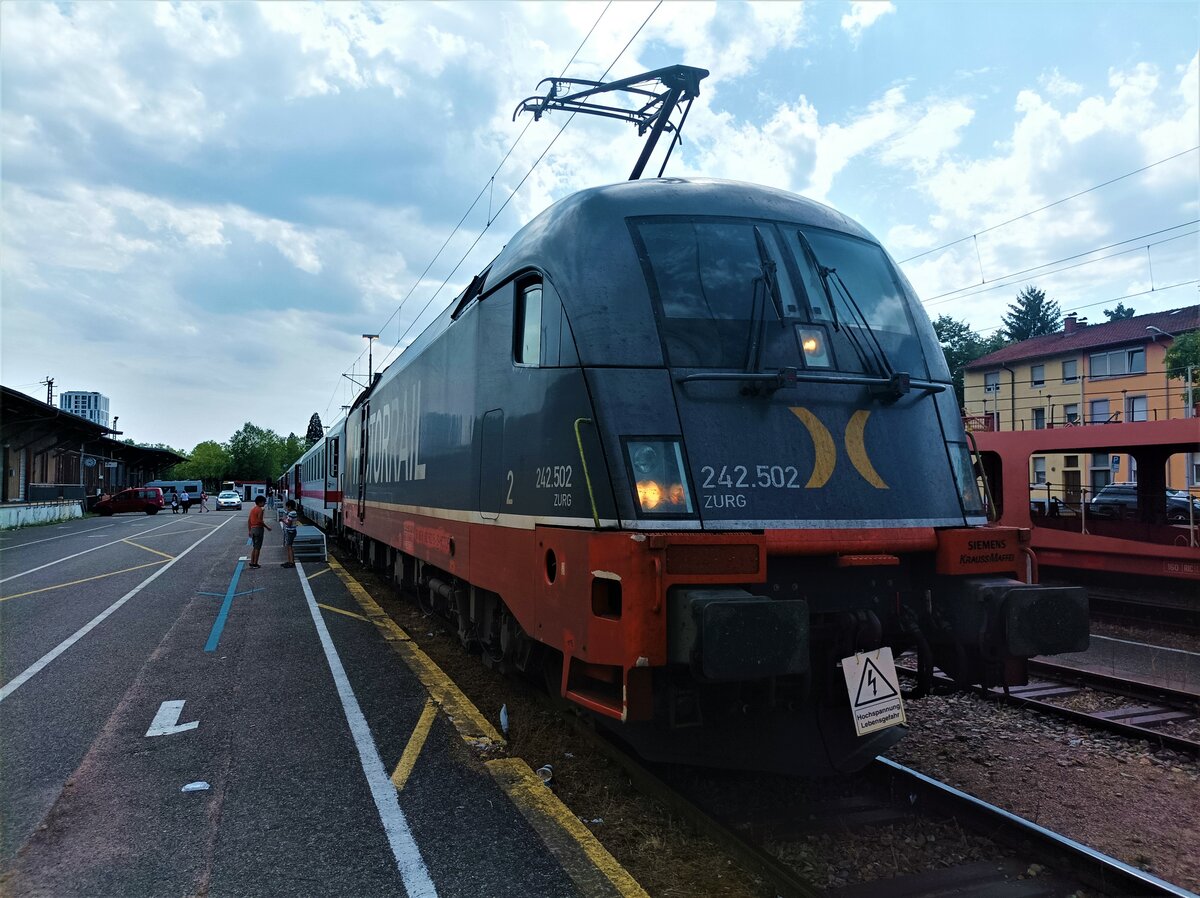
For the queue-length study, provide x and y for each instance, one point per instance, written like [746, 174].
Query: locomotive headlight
[812, 341]
[658, 476]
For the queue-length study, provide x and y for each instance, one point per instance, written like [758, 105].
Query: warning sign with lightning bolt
[872, 686]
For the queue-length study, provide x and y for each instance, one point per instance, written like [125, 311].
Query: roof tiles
[1095, 336]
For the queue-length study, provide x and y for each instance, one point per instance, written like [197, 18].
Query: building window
[1039, 470]
[1117, 363]
[1070, 371]
[1039, 419]
[1037, 375]
[1135, 408]
[1070, 461]
[1098, 411]
[991, 382]
[1071, 413]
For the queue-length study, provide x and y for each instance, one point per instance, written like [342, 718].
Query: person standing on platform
[256, 524]
[289, 532]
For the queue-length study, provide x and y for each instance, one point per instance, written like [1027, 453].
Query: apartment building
[1085, 374]
[93, 406]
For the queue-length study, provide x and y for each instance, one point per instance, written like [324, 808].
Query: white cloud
[199, 30]
[1058, 86]
[863, 15]
[72, 67]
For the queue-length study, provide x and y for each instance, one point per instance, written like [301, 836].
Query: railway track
[1140, 710]
[1117, 704]
[770, 832]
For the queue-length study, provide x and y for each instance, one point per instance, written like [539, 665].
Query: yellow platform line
[317, 574]
[585, 860]
[340, 611]
[84, 580]
[471, 724]
[416, 742]
[148, 549]
[589, 864]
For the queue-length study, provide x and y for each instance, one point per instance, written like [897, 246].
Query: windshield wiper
[811, 257]
[764, 286]
[824, 273]
[897, 382]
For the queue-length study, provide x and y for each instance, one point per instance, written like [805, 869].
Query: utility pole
[49, 382]
[371, 338]
[1190, 410]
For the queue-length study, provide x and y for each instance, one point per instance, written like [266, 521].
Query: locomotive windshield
[702, 273]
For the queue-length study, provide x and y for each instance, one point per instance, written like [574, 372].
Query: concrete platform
[336, 758]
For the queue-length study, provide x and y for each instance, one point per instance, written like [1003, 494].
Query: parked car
[229, 499]
[146, 499]
[1119, 500]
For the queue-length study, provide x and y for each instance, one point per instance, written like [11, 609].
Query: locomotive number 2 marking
[508, 501]
[554, 477]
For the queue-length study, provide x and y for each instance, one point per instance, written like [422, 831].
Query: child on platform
[289, 532]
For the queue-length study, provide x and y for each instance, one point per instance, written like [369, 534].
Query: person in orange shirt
[256, 524]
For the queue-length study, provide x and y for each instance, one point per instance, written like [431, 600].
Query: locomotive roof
[582, 246]
[601, 207]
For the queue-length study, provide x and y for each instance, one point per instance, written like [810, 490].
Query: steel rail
[1094, 867]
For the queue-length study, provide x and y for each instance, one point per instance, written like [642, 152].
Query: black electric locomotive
[683, 447]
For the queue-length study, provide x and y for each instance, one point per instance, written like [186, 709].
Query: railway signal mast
[675, 85]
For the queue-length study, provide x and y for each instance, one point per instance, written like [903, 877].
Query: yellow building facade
[1098, 374]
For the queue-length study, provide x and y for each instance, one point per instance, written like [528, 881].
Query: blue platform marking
[219, 624]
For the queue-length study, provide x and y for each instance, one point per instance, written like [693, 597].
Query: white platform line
[13, 685]
[77, 554]
[417, 882]
[34, 542]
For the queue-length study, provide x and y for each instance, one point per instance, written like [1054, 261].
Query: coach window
[527, 329]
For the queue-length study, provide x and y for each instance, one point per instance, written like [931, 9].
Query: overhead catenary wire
[488, 184]
[1058, 202]
[514, 191]
[1004, 280]
[1104, 302]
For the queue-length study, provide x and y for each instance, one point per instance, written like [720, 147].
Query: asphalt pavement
[173, 722]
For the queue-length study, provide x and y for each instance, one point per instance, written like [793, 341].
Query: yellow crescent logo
[822, 444]
[826, 451]
[858, 451]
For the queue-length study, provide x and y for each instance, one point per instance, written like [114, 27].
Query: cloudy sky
[205, 205]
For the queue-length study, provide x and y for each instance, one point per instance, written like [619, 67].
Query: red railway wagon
[1066, 530]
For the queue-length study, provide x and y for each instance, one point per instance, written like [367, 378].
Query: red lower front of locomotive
[725, 648]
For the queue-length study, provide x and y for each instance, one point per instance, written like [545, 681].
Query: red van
[148, 499]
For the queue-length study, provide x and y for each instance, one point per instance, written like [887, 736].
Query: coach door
[363, 445]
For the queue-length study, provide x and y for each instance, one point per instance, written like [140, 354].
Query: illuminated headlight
[658, 477]
[812, 341]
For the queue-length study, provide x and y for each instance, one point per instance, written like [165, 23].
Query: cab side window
[527, 330]
[541, 334]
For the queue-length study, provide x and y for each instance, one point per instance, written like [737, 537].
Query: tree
[1119, 313]
[209, 462]
[291, 450]
[315, 430]
[1032, 315]
[255, 454]
[1183, 358]
[963, 346]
